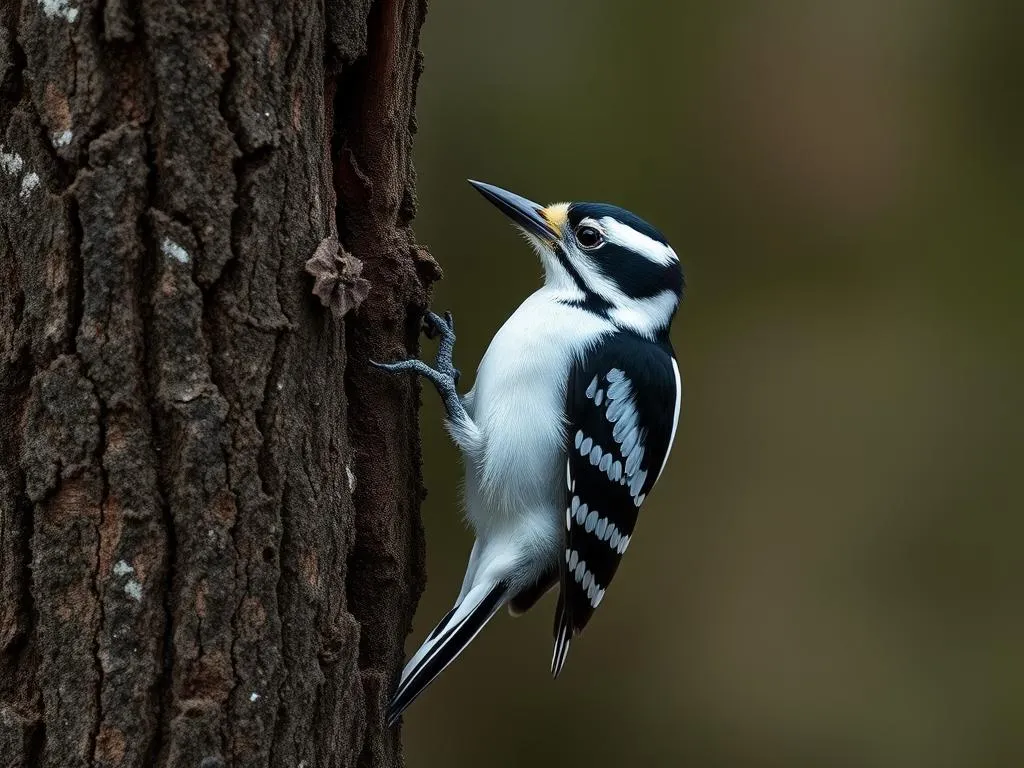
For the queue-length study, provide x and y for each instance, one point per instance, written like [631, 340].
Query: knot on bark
[336, 274]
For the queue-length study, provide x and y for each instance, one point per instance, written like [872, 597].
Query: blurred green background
[831, 573]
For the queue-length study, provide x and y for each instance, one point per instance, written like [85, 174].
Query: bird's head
[600, 257]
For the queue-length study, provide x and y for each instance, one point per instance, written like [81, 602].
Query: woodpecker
[567, 428]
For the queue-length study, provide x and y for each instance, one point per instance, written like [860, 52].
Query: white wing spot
[626, 423]
[633, 462]
[592, 388]
[636, 483]
[630, 442]
[615, 410]
[620, 390]
[585, 446]
[581, 514]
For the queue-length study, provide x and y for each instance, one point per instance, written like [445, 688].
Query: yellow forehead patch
[555, 215]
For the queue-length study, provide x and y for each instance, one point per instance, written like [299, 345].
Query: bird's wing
[622, 407]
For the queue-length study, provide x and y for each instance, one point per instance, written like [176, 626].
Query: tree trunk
[210, 548]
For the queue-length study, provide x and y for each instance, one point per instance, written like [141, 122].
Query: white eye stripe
[624, 235]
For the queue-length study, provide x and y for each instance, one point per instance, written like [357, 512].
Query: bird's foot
[444, 375]
[435, 326]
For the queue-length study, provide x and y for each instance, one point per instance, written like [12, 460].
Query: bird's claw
[443, 327]
[434, 325]
[444, 374]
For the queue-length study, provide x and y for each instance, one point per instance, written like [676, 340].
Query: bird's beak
[543, 223]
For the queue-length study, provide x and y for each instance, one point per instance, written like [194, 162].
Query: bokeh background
[831, 573]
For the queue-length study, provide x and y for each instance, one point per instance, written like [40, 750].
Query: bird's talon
[431, 325]
[434, 325]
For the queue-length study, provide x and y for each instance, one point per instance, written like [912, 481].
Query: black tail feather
[450, 642]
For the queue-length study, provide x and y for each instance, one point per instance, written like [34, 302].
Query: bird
[567, 427]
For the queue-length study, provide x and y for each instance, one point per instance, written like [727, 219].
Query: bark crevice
[149, 384]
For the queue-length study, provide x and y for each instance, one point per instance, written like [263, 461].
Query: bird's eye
[588, 237]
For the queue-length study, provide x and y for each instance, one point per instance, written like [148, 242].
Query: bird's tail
[447, 640]
[563, 636]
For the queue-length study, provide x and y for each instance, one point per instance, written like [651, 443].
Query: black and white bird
[567, 427]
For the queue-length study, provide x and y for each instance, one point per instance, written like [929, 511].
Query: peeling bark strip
[207, 558]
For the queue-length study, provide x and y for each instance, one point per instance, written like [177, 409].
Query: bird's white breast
[518, 404]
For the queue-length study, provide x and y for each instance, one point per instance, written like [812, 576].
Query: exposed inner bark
[210, 548]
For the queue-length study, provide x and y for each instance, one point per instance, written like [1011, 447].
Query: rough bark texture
[210, 547]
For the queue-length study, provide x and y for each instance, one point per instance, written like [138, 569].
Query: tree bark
[210, 547]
